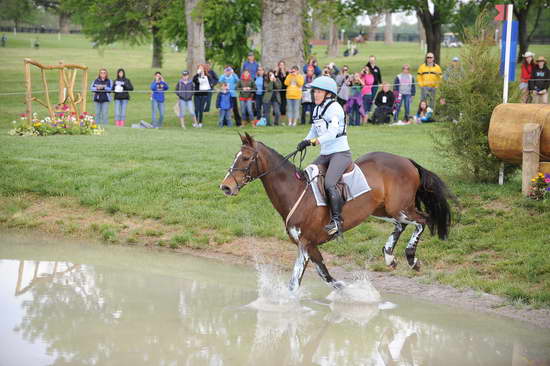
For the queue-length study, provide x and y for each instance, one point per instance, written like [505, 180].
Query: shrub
[471, 95]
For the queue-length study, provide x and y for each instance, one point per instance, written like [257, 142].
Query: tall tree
[388, 28]
[135, 21]
[195, 35]
[375, 20]
[57, 7]
[282, 32]
[16, 11]
[522, 8]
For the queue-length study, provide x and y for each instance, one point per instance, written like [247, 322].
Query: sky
[398, 18]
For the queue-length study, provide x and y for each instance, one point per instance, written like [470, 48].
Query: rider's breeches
[337, 164]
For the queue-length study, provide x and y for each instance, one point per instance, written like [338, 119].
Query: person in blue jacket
[329, 131]
[102, 87]
[158, 86]
[224, 103]
[232, 79]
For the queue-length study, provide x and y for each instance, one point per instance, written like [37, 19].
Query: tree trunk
[432, 26]
[522, 14]
[388, 29]
[316, 25]
[195, 37]
[375, 20]
[64, 19]
[157, 47]
[332, 48]
[282, 32]
[421, 31]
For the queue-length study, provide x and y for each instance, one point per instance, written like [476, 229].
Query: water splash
[359, 290]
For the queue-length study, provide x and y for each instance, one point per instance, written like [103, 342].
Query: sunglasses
[429, 57]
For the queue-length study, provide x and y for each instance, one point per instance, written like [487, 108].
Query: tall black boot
[336, 203]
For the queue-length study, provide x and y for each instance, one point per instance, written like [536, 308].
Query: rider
[329, 130]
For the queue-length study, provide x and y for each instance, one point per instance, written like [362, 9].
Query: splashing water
[360, 290]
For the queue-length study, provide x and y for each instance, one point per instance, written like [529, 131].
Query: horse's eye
[245, 158]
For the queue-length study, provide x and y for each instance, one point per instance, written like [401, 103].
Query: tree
[17, 11]
[195, 36]
[522, 9]
[375, 20]
[135, 21]
[57, 7]
[388, 32]
[282, 32]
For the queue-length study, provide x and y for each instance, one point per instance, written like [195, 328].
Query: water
[78, 303]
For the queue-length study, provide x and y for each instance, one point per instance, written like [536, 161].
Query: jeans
[200, 102]
[102, 113]
[225, 118]
[292, 108]
[208, 102]
[120, 109]
[374, 90]
[246, 108]
[367, 102]
[259, 105]
[157, 106]
[236, 111]
[355, 118]
[428, 94]
[405, 100]
[307, 107]
[186, 107]
[276, 111]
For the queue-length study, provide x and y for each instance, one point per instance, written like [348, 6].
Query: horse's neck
[281, 185]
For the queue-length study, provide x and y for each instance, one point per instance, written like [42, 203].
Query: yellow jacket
[294, 83]
[429, 76]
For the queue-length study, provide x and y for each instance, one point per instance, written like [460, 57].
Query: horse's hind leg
[390, 244]
[419, 222]
[322, 270]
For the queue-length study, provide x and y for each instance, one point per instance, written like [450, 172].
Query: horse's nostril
[226, 190]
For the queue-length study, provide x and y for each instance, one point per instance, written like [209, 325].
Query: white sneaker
[195, 125]
[200, 125]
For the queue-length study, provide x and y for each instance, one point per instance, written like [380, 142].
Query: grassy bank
[169, 178]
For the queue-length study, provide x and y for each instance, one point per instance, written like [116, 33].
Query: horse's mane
[285, 163]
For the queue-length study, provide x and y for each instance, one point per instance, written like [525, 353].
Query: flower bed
[64, 123]
[540, 187]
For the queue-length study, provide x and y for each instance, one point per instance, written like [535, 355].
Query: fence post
[531, 150]
[28, 85]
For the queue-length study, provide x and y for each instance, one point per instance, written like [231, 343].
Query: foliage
[17, 11]
[227, 24]
[540, 187]
[470, 98]
[64, 123]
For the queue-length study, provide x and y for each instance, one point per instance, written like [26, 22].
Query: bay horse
[402, 193]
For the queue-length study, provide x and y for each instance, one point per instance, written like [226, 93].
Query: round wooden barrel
[506, 130]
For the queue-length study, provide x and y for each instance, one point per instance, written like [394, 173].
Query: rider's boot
[336, 203]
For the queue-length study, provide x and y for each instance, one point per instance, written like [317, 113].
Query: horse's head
[245, 167]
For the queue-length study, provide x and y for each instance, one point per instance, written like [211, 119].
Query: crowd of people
[260, 97]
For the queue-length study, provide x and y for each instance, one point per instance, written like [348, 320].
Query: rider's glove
[303, 144]
[314, 142]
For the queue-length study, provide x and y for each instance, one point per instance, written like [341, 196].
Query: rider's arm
[312, 133]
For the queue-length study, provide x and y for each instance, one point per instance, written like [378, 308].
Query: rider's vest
[321, 123]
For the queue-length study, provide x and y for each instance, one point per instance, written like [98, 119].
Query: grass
[171, 176]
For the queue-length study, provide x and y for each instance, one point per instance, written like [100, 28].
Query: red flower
[81, 117]
[73, 113]
[23, 115]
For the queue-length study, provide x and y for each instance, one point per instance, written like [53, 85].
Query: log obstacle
[520, 134]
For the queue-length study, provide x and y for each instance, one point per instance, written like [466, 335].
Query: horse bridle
[254, 159]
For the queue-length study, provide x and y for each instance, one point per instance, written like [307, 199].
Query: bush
[471, 95]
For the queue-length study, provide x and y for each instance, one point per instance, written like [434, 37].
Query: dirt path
[64, 216]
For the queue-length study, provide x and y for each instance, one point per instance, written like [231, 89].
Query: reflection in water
[133, 308]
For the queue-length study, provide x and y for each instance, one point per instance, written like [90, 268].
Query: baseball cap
[529, 53]
[250, 53]
[456, 59]
[185, 72]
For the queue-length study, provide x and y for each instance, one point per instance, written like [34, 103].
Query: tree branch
[539, 12]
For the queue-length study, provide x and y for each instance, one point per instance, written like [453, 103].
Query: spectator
[101, 88]
[367, 92]
[307, 95]
[384, 104]
[376, 72]
[231, 79]
[281, 74]
[250, 64]
[453, 71]
[258, 95]
[214, 77]
[121, 86]
[527, 67]
[203, 85]
[294, 82]
[540, 82]
[313, 62]
[333, 70]
[404, 85]
[246, 88]
[354, 106]
[343, 87]
[158, 86]
[185, 88]
[224, 103]
[428, 78]
[272, 98]
[3, 40]
[424, 113]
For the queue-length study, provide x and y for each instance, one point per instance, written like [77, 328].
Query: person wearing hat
[527, 67]
[329, 131]
[185, 89]
[251, 65]
[232, 79]
[454, 70]
[428, 79]
[540, 82]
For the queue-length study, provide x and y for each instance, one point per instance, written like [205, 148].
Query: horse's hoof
[338, 285]
[389, 259]
[415, 266]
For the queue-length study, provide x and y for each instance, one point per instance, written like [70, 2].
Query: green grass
[500, 244]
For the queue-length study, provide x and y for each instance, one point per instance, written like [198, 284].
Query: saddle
[341, 186]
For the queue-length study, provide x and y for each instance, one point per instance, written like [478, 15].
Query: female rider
[329, 131]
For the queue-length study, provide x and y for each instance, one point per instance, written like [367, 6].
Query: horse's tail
[433, 194]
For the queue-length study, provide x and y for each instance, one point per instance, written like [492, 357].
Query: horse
[402, 193]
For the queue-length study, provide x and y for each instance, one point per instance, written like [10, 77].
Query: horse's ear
[249, 139]
[243, 139]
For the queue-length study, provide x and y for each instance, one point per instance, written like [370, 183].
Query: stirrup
[333, 228]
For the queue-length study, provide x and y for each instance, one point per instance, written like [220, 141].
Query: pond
[84, 303]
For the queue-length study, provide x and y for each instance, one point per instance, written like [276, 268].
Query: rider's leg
[337, 166]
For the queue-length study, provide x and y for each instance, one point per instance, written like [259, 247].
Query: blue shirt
[158, 89]
[260, 85]
[231, 83]
[250, 66]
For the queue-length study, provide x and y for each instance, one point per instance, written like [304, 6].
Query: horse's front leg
[299, 268]
[322, 270]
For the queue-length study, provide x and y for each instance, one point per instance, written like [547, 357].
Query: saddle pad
[355, 180]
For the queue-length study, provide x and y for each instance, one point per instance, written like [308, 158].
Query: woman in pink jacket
[368, 80]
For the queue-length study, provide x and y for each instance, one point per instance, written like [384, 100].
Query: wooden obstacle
[67, 81]
[520, 134]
